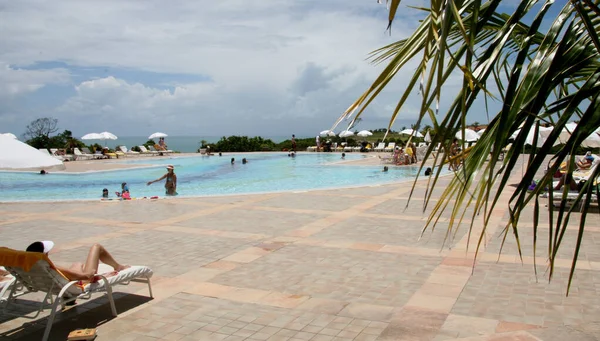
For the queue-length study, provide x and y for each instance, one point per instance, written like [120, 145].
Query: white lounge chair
[390, 147]
[161, 150]
[146, 151]
[36, 273]
[128, 152]
[380, 147]
[5, 285]
[80, 155]
[65, 157]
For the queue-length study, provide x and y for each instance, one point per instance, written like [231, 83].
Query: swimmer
[343, 156]
[244, 161]
[124, 189]
[43, 172]
[232, 160]
[428, 171]
[385, 169]
[105, 193]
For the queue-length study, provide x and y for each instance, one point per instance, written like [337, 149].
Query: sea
[184, 144]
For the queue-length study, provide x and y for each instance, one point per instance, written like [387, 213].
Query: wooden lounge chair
[36, 273]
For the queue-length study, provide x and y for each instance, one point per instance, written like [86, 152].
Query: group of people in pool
[170, 185]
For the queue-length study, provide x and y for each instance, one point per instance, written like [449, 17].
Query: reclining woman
[81, 271]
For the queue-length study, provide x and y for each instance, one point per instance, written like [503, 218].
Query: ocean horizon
[184, 144]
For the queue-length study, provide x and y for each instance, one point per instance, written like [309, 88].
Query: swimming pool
[205, 176]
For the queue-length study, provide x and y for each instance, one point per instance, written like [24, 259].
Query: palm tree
[542, 69]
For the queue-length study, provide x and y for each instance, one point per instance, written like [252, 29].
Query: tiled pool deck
[342, 264]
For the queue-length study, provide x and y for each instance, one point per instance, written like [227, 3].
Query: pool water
[205, 176]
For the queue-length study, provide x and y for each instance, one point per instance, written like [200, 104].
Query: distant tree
[41, 127]
[475, 125]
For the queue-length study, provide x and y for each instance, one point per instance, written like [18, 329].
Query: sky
[197, 68]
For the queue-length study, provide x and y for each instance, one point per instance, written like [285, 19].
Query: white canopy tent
[15, 154]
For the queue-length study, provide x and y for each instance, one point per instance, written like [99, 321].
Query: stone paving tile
[509, 292]
[146, 211]
[203, 318]
[307, 201]
[19, 235]
[360, 191]
[181, 254]
[390, 231]
[590, 246]
[253, 221]
[338, 274]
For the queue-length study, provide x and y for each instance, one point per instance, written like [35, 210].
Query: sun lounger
[162, 150]
[128, 152]
[64, 157]
[390, 147]
[5, 286]
[97, 155]
[380, 147]
[37, 274]
[79, 155]
[146, 151]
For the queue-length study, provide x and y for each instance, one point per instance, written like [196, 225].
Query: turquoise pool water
[204, 176]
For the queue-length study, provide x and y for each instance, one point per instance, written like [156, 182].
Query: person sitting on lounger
[586, 162]
[81, 271]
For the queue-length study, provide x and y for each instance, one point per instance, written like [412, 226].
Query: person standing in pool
[294, 143]
[171, 183]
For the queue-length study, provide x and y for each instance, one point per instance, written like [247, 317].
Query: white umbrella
[11, 135]
[92, 136]
[542, 135]
[410, 132]
[346, 133]
[99, 136]
[470, 135]
[108, 136]
[480, 132]
[325, 133]
[156, 135]
[427, 137]
[15, 154]
[364, 133]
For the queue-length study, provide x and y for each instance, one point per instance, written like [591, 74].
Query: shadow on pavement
[85, 315]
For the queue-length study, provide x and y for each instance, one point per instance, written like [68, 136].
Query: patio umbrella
[326, 133]
[542, 135]
[157, 135]
[11, 135]
[480, 132]
[99, 136]
[346, 133]
[15, 154]
[364, 133]
[427, 137]
[410, 132]
[470, 135]
[92, 136]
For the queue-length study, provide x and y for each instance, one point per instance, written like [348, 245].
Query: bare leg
[99, 254]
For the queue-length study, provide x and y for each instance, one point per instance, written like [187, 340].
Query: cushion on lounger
[135, 271]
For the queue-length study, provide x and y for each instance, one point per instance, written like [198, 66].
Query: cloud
[255, 67]
[15, 82]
